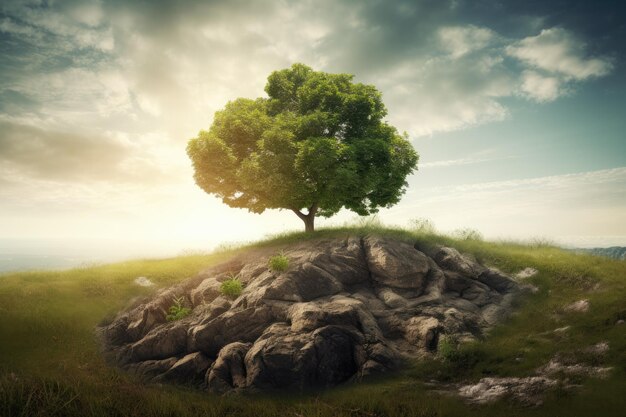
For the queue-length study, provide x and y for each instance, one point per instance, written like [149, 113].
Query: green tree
[317, 143]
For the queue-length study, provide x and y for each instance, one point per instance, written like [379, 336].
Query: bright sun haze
[516, 112]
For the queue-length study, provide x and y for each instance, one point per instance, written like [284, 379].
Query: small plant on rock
[279, 263]
[232, 287]
[178, 310]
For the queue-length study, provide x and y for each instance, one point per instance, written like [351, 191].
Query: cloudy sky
[516, 108]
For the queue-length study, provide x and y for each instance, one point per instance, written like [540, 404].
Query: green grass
[50, 364]
[177, 310]
[231, 287]
[279, 263]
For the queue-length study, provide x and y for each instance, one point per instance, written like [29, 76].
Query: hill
[319, 313]
[51, 364]
[614, 252]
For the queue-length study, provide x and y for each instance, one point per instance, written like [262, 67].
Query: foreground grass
[50, 363]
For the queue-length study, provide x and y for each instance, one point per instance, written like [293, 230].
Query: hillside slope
[613, 252]
[50, 363]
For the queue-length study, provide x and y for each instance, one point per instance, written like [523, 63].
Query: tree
[317, 143]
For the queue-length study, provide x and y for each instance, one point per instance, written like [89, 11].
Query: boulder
[228, 371]
[190, 369]
[282, 358]
[396, 264]
[423, 332]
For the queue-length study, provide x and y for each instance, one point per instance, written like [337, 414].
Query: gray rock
[162, 342]
[526, 273]
[528, 391]
[234, 325]
[190, 369]
[396, 263]
[452, 260]
[228, 371]
[151, 368]
[423, 332]
[497, 280]
[391, 298]
[207, 291]
[282, 358]
[580, 306]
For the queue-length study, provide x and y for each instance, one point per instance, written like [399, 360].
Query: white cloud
[557, 50]
[460, 40]
[441, 94]
[539, 87]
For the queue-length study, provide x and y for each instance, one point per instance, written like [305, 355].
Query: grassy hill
[50, 363]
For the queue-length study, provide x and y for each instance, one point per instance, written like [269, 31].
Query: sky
[516, 109]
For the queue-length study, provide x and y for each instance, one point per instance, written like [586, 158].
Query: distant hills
[614, 252]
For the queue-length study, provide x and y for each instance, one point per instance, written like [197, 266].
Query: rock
[423, 332]
[580, 306]
[345, 309]
[162, 342]
[345, 260]
[395, 263]
[228, 371]
[143, 282]
[528, 391]
[231, 326]
[556, 367]
[452, 260]
[151, 368]
[207, 291]
[529, 288]
[282, 358]
[562, 329]
[391, 299]
[598, 349]
[190, 369]
[526, 273]
[497, 280]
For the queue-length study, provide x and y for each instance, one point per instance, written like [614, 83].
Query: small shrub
[279, 263]
[422, 225]
[460, 357]
[467, 234]
[178, 310]
[448, 348]
[368, 222]
[232, 287]
[542, 242]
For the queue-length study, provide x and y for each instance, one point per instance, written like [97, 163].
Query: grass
[279, 263]
[231, 287]
[178, 310]
[50, 363]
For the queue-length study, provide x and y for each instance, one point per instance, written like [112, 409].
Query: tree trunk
[309, 223]
[308, 219]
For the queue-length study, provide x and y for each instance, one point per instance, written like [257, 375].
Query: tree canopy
[317, 142]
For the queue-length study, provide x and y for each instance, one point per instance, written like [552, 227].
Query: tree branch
[299, 214]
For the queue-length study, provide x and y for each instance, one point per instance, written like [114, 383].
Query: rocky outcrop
[531, 390]
[344, 309]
